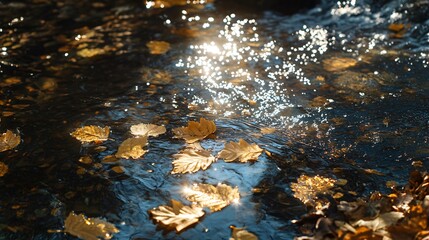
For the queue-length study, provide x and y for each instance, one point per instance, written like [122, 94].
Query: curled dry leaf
[3, 169]
[88, 228]
[191, 160]
[9, 140]
[91, 133]
[158, 47]
[178, 215]
[213, 197]
[241, 234]
[195, 131]
[338, 64]
[307, 188]
[150, 130]
[132, 148]
[243, 151]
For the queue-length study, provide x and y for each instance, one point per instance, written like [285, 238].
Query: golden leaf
[307, 188]
[150, 130]
[90, 52]
[9, 140]
[158, 47]
[3, 169]
[213, 197]
[88, 228]
[132, 148]
[178, 215]
[242, 234]
[195, 131]
[243, 151]
[91, 133]
[267, 130]
[191, 160]
[338, 64]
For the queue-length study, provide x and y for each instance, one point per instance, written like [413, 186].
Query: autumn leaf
[178, 215]
[383, 221]
[9, 140]
[150, 130]
[91, 133]
[338, 64]
[241, 234]
[3, 169]
[195, 131]
[267, 130]
[213, 197]
[307, 188]
[88, 228]
[158, 47]
[191, 160]
[132, 148]
[243, 151]
[87, 53]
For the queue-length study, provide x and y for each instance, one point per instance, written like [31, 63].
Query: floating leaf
[9, 140]
[243, 151]
[87, 53]
[158, 47]
[150, 130]
[91, 133]
[178, 215]
[267, 130]
[338, 64]
[195, 131]
[241, 234]
[307, 188]
[89, 228]
[213, 197]
[191, 160]
[132, 148]
[3, 169]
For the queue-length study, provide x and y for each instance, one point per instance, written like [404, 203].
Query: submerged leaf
[307, 188]
[132, 148]
[178, 215]
[158, 47]
[243, 151]
[150, 130]
[191, 160]
[91, 133]
[213, 197]
[195, 131]
[3, 169]
[89, 228]
[241, 234]
[9, 140]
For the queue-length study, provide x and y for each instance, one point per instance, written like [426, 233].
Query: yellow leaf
[88, 228]
[132, 148]
[150, 130]
[178, 215]
[338, 64]
[195, 131]
[191, 160]
[307, 188]
[213, 197]
[3, 169]
[9, 140]
[90, 52]
[158, 47]
[242, 234]
[243, 151]
[91, 134]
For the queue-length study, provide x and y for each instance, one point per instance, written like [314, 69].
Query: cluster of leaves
[8, 141]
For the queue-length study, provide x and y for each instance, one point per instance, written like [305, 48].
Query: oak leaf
[132, 148]
[150, 130]
[88, 228]
[242, 234]
[178, 215]
[243, 151]
[195, 131]
[158, 47]
[91, 133]
[3, 169]
[191, 160]
[9, 140]
[213, 197]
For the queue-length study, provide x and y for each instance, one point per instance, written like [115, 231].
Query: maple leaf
[191, 160]
[3, 169]
[178, 215]
[150, 130]
[213, 197]
[132, 148]
[243, 151]
[9, 140]
[158, 47]
[88, 228]
[195, 131]
[91, 134]
[241, 234]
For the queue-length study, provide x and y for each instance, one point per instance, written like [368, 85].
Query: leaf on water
[3, 169]
[10, 81]
[267, 130]
[338, 64]
[243, 151]
[191, 160]
[91, 133]
[178, 215]
[213, 197]
[241, 234]
[307, 188]
[158, 47]
[132, 148]
[90, 52]
[89, 228]
[150, 130]
[382, 221]
[9, 140]
[195, 131]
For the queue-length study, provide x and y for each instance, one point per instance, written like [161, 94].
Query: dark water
[242, 68]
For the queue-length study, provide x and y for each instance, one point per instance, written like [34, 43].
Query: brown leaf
[384, 220]
[241, 234]
[88, 228]
[132, 148]
[213, 197]
[178, 215]
[90, 52]
[10, 81]
[91, 134]
[338, 64]
[3, 169]
[307, 188]
[191, 160]
[9, 140]
[195, 131]
[243, 151]
[158, 47]
[267, 130]
[150, 130]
